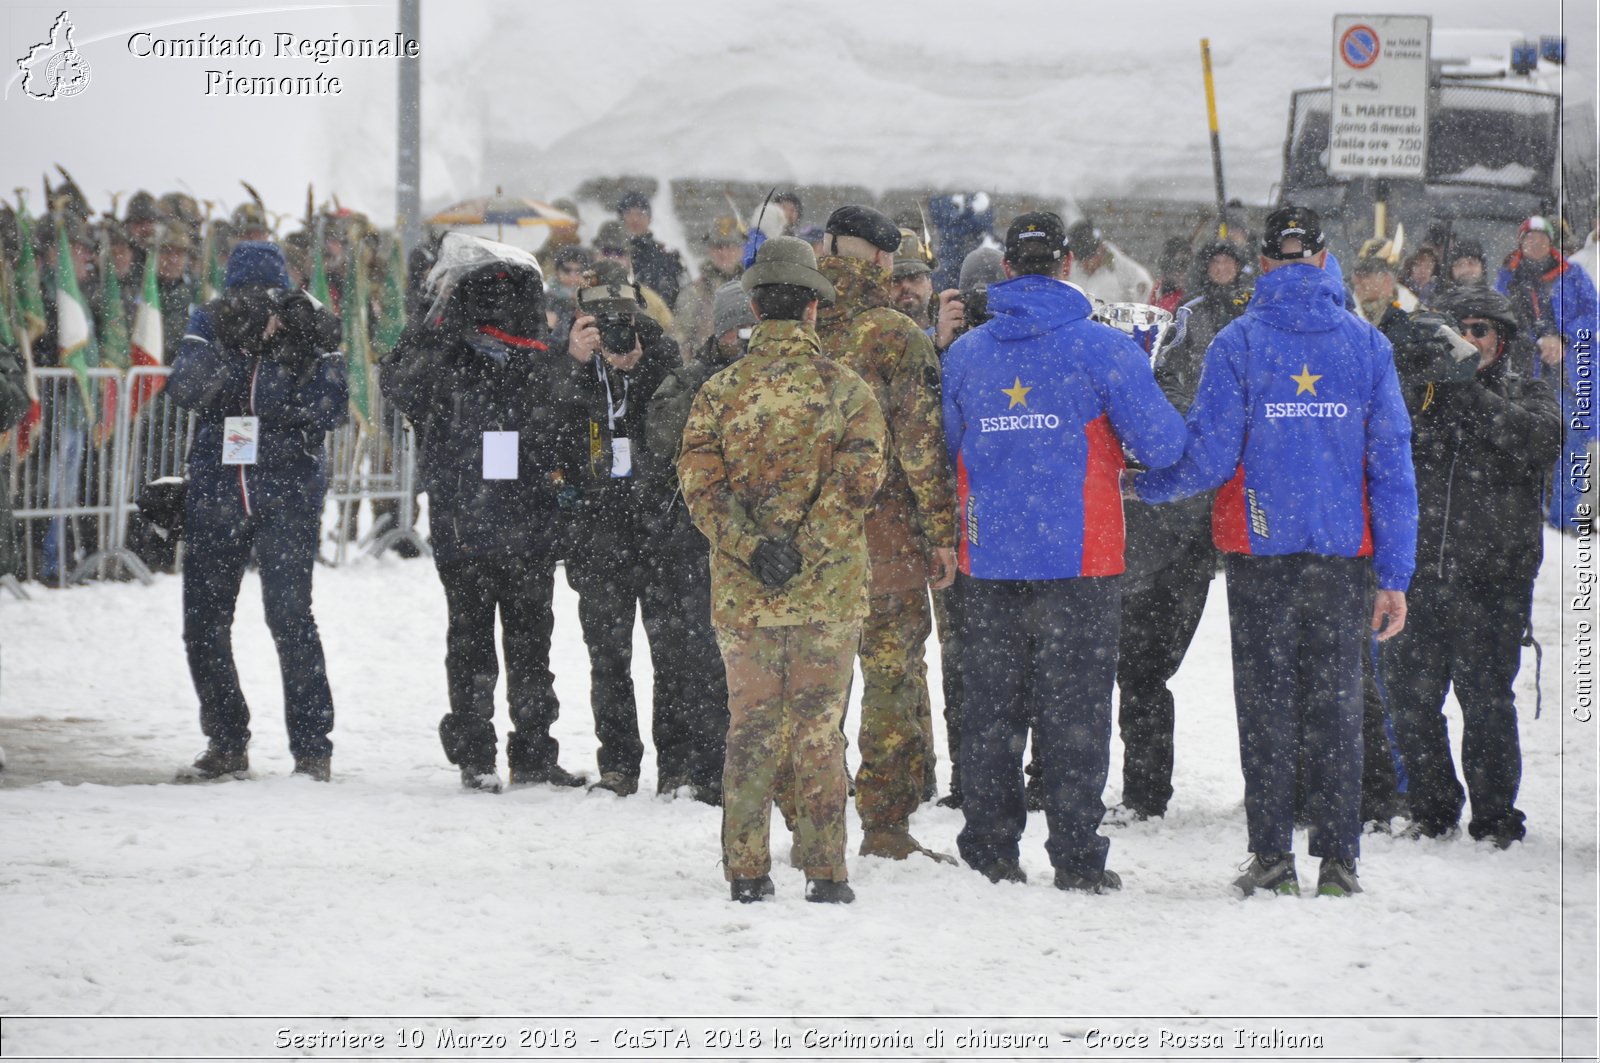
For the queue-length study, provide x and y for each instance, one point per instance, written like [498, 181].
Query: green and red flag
[12, 337]
[146, 348]
[75, 337]
[113, 341]
[357, 343]
[30, 287]
[391, 301]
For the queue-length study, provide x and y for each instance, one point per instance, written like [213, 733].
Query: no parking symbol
[1359, 47]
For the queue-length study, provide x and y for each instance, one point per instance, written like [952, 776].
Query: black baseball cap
[1036, 236]
[871, 225]
[1292, 222]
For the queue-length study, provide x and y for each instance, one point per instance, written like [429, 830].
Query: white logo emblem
[54, 68]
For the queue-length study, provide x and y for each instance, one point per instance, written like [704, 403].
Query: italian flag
[11, 338]
[75, 327]
[146, 348]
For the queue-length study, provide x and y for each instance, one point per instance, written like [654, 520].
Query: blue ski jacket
[1299, 412]
[297, 404]
[1038, 404]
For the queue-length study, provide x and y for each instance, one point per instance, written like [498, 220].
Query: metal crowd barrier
[76, 488]
[375, 462]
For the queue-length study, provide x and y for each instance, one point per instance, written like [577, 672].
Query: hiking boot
[213, 764]
[1337, 878]
[751, 890]
[483, 781]
[1103, 881]
[827, 891]
[317, 769]
[1417, 830]
[952, 799]
[1004, 871]
[554, 775]
[706, 795]
[1124, 815]
[669, 785]
[897, 843]
[617, 783]
[1269, 873]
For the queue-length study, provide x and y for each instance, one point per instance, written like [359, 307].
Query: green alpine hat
[787, 260]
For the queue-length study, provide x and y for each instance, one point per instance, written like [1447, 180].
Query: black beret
[871, 225]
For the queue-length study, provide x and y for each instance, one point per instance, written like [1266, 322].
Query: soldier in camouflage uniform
[781, 457]
[910, 530]
[724, 262]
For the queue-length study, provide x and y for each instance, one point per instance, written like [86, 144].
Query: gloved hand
[239, 318]
[775, 563]
[307, 326]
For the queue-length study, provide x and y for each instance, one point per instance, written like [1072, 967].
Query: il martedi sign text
[317, 51]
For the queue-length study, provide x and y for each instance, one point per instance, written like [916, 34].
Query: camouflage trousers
[896, 714]
[787, 690]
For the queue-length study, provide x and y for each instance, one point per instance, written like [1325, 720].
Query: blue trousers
[1050, 645]
[1299, 627]
[220, 540]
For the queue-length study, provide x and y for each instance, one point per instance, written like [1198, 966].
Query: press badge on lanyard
[240, 436]
[621, 447]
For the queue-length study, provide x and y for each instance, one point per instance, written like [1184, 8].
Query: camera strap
[621, 446]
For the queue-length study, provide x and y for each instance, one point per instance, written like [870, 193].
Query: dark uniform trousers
[1468, 636]
[1299, 628]
[1158, 624]
[689, 722]
[520, 588]
[220, 539]
[1048, 645]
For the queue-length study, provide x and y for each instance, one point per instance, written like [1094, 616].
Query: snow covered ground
[392, 892]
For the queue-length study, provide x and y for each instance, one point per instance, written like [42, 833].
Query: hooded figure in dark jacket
[475, 379]
[260, 369]
[1484, 436]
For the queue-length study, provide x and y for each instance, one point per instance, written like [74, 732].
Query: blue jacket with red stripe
[1038, 404]
[1300, 412]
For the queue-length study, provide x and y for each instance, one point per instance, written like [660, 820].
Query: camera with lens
[615, 301]
[975, 306]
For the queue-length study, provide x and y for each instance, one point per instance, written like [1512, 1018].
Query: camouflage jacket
[784, 444]
[915, 510]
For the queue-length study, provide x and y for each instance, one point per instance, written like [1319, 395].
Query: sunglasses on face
[1479, 329]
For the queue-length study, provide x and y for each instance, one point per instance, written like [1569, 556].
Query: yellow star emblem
[1306, 381]
[1017, 393]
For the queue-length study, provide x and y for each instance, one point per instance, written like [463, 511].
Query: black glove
[307, 326]
[240, 317]
[775, 563]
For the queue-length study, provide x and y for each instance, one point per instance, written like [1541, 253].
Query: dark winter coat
[587, 434]
[1481, 450]
[298, 399]
[453, 393]
[664, 420]
[656, 267]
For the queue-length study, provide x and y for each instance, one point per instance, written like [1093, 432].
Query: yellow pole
[1216, 140]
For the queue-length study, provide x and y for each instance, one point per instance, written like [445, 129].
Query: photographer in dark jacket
[1483, 437]
[260, 368]
[619, 358]
[476, 382]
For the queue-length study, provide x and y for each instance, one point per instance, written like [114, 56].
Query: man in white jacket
[1103, 271]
